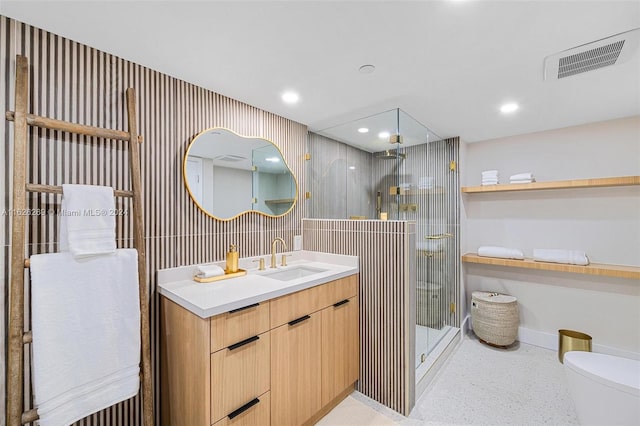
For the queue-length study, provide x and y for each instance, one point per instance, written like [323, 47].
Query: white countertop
[209, 299]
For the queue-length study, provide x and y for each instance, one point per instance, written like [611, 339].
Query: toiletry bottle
[232, 260]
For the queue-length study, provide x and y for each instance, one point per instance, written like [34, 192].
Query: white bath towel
[573, 257]
[206, 271]
[431, 246]
[86, 333]
[489, 182]
[522, 180]
[489, 173]
[502, 252]
[87, 222]
[522, 176]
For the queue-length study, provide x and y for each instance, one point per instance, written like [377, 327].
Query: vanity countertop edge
[210, 299]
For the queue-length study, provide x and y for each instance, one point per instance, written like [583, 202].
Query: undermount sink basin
[294, 272]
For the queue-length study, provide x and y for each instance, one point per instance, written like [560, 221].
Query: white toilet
[604, 388]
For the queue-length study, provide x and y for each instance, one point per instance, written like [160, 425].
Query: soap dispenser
[232, 260]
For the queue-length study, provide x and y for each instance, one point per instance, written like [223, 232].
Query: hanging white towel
[501, 252]
[87, 222]
[86, 333]
[206, 271]
[573, 257]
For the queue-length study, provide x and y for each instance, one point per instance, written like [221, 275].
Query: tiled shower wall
[73, 82]
[386, 251]
[339, 179]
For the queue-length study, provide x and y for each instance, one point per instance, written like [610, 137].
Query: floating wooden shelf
[394, 190]
[618, 271]
[283, 201]
[560, 184]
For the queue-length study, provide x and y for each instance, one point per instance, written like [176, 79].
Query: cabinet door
[340, 348]
[295, 371]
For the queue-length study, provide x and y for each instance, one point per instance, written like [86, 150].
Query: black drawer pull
[244, 408]
[244, 342]
[342, 302]
[243, 308]
[296, 321]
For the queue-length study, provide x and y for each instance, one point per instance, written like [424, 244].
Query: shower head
[389, 154]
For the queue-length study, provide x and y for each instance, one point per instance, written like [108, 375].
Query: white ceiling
[449, 64]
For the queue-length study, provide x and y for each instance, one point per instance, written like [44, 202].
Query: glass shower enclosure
[389, 166]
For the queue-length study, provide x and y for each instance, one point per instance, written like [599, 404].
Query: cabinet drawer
[239, 324]
[292, 306]
[239, 374]
[253, 413]
[339, 290]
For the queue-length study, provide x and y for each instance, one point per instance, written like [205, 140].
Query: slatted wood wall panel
[437, 212]
[387, 311]
[73, 82]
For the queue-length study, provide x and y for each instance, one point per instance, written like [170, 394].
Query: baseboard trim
[550, 341]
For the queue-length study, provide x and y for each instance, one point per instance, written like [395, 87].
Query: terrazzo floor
[478, 385]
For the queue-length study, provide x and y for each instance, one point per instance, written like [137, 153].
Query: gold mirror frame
[257, 138]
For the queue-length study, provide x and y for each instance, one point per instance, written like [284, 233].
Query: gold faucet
[273, 250]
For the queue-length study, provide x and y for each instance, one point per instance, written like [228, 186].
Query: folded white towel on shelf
[86, 333]
[502, 252]
[521, 180]
[573, 257]
[521, 176]
[430, 246]
[206, 271]
[490, 173]
[489, 181]
[87, 221]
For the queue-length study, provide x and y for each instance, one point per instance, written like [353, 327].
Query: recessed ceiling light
[352, 167]
[290, 97]
[363, 130]
[509, 108]
[367, 69]
[272, 159]
[384, 135]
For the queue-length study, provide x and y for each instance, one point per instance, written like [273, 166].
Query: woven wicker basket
[495, 317]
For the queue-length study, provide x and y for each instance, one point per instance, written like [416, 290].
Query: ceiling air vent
[592, 56]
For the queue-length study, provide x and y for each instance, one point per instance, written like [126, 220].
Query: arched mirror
[227, 175]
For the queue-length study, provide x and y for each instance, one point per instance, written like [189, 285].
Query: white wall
[230, 189]
[604, 222]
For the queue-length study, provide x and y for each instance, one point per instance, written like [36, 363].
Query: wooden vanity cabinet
[315, 330]
[282, 362]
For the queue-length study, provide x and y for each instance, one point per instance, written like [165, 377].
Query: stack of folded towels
[571, 257]
[522, 178]
[501, 252]
[425, 182]
[490, 177]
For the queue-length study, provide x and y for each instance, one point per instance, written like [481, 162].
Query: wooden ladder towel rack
[17, 336]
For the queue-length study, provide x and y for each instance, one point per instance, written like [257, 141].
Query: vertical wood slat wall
[386, 251]
[73, 82]
[437, 212]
